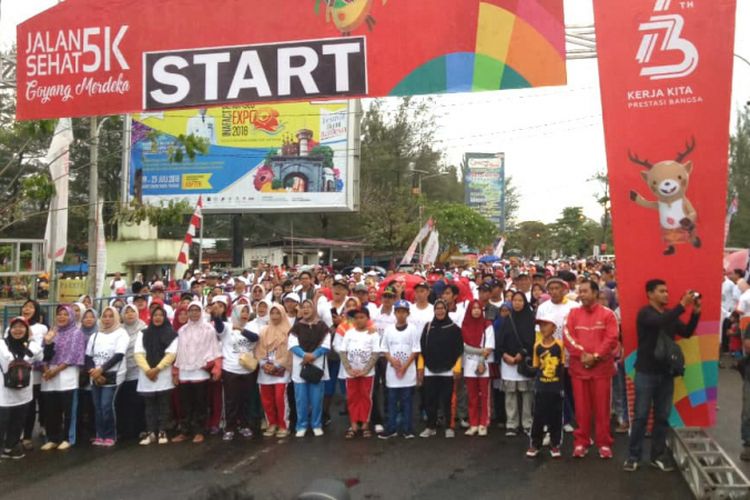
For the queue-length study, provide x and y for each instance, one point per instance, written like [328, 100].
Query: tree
[739, 181]
[512, 202]
[604, 201]
[531, 238]
[460, 225]
[574, 234]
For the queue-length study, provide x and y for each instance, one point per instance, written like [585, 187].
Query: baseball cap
[389, 291]
[543, 317]
[357, 270]
[121, 291]
[558, 280]
[422, 284]
[402, 304]
[221, 299]
[292, 296]
[341, 283]
[358, 310]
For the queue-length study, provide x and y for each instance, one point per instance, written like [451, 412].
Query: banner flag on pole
[183, 259]
[733, 209]
[101, 249]
[500, 248]
[58, 158]
[431, 249]
[413, 247]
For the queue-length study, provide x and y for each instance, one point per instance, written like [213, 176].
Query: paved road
[492, 467]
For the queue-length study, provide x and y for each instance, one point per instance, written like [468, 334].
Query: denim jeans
[400, 408]
[619, 395]
[656, 389]
[104, 411]
[745, 429]
[309, 402]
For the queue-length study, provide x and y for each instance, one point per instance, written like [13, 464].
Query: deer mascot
[668, 180]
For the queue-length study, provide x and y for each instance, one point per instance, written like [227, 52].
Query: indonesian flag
[184, 257]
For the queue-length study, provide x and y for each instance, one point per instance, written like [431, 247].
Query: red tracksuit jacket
[591, 330]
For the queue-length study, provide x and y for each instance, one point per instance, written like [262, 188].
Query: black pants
[548, 408]
[291, 403]
[58, 412]
[85, 423]
[498, 401]
[379, 394]
[156, 405]
[12, 419]
[438, 392]
[31, 413]
[237, 389]
[194, 406]
[129, 411]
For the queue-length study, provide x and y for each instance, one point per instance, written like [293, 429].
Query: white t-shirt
[743, 306]
[420, 317]
[359, 347]
[558, 313]
[730, 295]
[297, 361]
[17, 397]
[66, 380]
[266, 379]
[458, 315]
[163, 381]
[38, 331]
[401, 344]
[117, 284]
[383, 321]
[471, 361]
[234, 345]
[102, 346]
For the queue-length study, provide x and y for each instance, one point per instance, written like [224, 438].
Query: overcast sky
[552, 137]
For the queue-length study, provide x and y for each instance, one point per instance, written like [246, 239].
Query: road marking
[245, 461]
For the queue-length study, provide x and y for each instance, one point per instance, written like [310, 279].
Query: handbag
[524, 368]
[669, 353]
[110, 377]
[248, 361]
[311, 373]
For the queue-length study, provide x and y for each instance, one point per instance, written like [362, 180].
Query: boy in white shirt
[400, 346]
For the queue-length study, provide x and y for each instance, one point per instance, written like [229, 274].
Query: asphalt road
[437, 468]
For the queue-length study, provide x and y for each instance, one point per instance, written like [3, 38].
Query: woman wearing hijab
[180, 318]
[260, 321]
[86, 301]
[237, 342]
[479, 342]
[60, 377]
[442, 345]
[309, 343]
[32, 313]
[105, 360]
[85, 421]
[198, 360]
[154, 354]
[516, 342]
[129, 407]
[78, 309]
[274, 364]
[18, 346]
[498, 396]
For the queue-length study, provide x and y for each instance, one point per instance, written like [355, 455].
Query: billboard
[484, 182]
[90, 57]
[666, 82]
[260, 158]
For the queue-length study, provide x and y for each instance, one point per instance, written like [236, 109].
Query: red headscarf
[176, 324]
[473, 328]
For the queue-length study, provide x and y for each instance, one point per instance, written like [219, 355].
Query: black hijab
[520, 323]
[442, 343]
[18, 347]
[156, 339]
[310, 333]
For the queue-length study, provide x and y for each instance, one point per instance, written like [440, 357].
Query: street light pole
[93, 201]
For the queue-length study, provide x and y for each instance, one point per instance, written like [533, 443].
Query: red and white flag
[183, 259]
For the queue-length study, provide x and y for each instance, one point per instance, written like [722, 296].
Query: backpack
[669, 354]
[18, 375]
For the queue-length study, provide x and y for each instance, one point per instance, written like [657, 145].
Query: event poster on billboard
[259, 157]
[485, 186]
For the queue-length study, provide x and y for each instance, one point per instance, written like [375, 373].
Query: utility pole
[93, 199]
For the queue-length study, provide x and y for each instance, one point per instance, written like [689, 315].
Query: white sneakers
[48, 446]
[450, 433]
[63, 446]
[151, 438]
[317, 432]
[270, 431]
[472, 431]
[482, 430]
[427, 433]
[300, 434]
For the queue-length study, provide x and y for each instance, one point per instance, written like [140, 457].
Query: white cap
[338, 277]
[292, 296]
[372, 273]
[543, 315]
[357, 270]
[220, 298]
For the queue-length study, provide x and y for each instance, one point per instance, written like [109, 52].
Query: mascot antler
[689, 147]
[638, 161]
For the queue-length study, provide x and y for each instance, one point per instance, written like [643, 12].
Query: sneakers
[64, 446]
[409, 435]
[106, 443]
[605, 452]
[511, 433]
[228, 436]
[27, 444]
[300, 434]
[97, 442]
[163, 439]
[622, 428]
[464, 424]
[568, 428]
[532, 452]
[245, 432]
[665, 464]
[48, 446]
[379, 429]
[580, 452]
[630, 465]
[198, 438]
[427, 433]
[317, 432]
[270, 431]
[150, 438]
[282, 433]
[385, 436]
[471, 431]
[554, 452]
[482, 430]
[14, 454]
[450, 433]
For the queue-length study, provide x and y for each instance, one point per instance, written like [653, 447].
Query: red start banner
[665, 68]
[88, 57]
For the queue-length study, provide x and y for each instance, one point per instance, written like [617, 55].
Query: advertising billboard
[90, 57]
[260, 158]
[484, 181]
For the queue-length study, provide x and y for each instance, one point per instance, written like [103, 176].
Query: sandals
[350, 434]
[366, 433]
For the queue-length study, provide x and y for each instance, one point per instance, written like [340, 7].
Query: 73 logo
[665, 32]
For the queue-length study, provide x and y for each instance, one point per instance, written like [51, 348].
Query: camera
[696, 295]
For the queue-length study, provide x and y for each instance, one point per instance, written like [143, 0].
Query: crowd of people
[529, 350]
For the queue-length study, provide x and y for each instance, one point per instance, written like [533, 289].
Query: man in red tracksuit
[590, 339]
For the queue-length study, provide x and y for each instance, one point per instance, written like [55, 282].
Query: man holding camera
[654, 377]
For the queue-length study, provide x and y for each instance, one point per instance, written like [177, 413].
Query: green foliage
[38, 187]
[574, 234]
[530, 238]
[165, 214]
[326, 152]
[739, 181]
[181, 146]
[460, 225]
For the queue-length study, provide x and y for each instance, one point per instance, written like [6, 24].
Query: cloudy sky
[552, 137]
